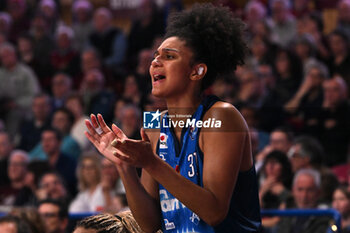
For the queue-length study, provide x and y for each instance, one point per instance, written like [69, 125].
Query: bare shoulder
[230, 118]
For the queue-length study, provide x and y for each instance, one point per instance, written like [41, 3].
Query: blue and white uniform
[187, 158]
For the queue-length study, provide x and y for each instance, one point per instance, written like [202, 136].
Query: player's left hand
[137, 153]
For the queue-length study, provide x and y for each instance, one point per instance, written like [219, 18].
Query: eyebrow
[166, 50]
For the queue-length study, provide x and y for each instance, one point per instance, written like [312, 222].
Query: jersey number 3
[190, 159]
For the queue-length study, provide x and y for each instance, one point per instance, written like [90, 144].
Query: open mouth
[158, 77]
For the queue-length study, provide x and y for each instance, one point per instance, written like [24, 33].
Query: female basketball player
[193, 179]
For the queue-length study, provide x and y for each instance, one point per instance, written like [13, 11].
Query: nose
[155, 62]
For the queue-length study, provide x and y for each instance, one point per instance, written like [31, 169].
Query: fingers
[122, 157]
[118, 132]
[91, 139]
[92, 130]
[144, 136]
[103, 124]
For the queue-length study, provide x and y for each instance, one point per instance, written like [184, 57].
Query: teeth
[158, 77]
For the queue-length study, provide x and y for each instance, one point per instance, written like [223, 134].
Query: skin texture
[225, 152]
[83, 230]
[8, 227]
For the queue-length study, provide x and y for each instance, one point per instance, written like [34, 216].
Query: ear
[199, 71]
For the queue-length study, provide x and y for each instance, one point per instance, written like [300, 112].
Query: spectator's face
[273, 169]
[296, 159]
[63, 41]
[109, 172]
[337, 44]
[60, 86]
[305, 192]
[75, 107]
[8, 58]
[101, 21]
[282, 63]
[316, 76]
[279, 11]
[258, 47]
[279, 141]
[41, 108]
[61, 122]
[341, 202]
[50, 143]
[344, 12]
[266, 75]
[53, 186]
[50, 215]
[94, 81]
[17, 168]
[333, 92]
[89, 172]
[130, 119]
[5, 146]
[82, 14]
[131, 89]
[24, 45]
[89, 61]
[8, 227]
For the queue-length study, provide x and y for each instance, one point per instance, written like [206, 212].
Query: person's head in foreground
[108, 223]
[199, 45]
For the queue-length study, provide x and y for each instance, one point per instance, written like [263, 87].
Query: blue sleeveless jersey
[187, 159]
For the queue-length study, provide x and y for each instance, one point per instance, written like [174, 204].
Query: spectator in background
[282, 22]
[307, 153]
[31, 216]
[289, 73]
[65, 165]
[64, 58]
[341, 203]
[301, 8]
[144, 29]
[12, 224]
[18, 86]
[304, 47]
[51, 186]
[31, 129]
[75, 104]
[20, 14]
[305, 106]
[17, 169]
[344, 16]
[108, 40]
[262, 52]
[96, 98]
[61, 87]
[6, 147]
[131, 121]
[49, 11]
[110, 177]
[82, 25]
[43, 42]
[92, 196]
[254, 12]
[339, 62]
[305, 190]
[26, 55]
[62, 120]
[334, 121]
[54, 214]
[274, 190]
[5, 23]
[281, 139]
[132, 91]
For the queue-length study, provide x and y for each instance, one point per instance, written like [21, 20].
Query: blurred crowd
[61, 60]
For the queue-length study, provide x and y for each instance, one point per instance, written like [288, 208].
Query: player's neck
[186, 104]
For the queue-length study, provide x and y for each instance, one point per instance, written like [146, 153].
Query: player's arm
[142, 194]
[143, 200]
[225, 150]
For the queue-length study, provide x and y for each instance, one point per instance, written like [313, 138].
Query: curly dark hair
[214, 35]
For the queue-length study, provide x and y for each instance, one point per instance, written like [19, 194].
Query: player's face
[171, 68]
